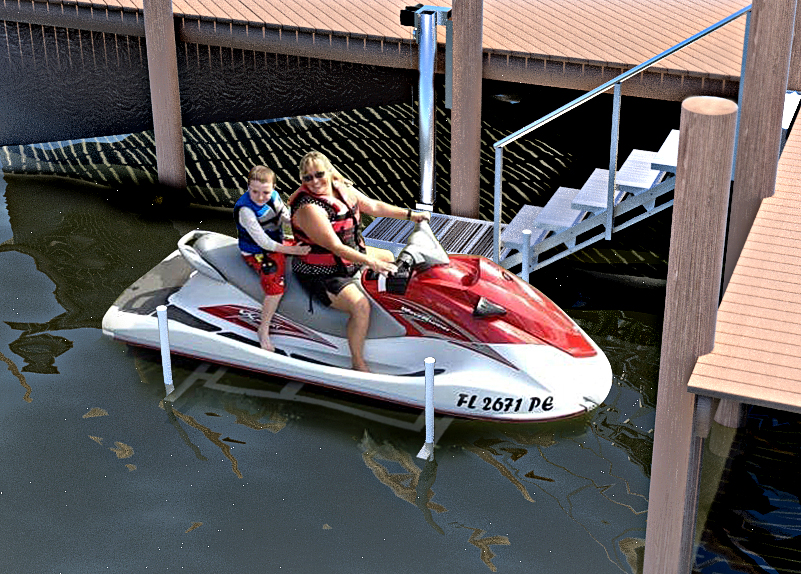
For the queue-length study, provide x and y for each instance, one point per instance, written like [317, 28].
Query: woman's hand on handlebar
[382, 267]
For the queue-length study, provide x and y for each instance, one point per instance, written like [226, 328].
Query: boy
[259, 215]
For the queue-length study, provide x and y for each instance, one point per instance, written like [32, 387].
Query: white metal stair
[573, 213]
[572, 219]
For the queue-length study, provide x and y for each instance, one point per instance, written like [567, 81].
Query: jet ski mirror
[423, 249]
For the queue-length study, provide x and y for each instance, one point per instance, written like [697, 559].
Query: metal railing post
[740, 91]
[610, 198]
[526, 254]
[496, 232]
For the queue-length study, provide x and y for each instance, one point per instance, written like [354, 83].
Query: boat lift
[210, 376]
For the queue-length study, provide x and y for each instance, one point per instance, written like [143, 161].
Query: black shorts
[321, 285]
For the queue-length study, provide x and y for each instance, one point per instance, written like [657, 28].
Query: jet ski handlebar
[422, 250]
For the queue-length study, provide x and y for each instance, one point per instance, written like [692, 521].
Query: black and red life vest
[344, 220]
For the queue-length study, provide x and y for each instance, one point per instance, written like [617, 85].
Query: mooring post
[468, 50]
[164, 340]
[794, 80]
[767, 69]
[427, 452]
[165, 97]
[706, 149]
[765, 84]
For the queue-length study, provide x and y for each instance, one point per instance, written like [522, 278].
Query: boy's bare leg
[267, 311]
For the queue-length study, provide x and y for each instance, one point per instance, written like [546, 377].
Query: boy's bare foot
[266, 344]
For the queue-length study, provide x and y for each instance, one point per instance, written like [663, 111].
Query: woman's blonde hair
[320, 158]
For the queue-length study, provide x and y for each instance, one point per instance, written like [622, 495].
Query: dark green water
[97, 477]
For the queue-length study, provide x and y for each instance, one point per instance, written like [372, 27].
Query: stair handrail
[613, 83]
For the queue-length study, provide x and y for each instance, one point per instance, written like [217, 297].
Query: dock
[757, 354]
[574, 44]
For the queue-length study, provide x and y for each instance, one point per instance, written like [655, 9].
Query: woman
[325, 215]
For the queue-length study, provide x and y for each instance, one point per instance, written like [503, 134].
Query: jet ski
[503, 351]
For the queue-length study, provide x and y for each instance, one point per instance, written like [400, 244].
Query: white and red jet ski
[503, 350]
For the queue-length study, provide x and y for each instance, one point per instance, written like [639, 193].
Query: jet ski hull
[214, 321]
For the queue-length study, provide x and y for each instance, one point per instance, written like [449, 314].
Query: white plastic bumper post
[164, 338]
[427, 452]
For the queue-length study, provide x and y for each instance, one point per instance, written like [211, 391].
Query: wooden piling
[706, 148]
[467, 17]
[162, 63]
[794, 79]
[765, 84]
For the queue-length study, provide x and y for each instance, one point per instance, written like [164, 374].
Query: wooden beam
[706, 148]
[794, 79]
[468, 27]
[765, 84]
[162, 63]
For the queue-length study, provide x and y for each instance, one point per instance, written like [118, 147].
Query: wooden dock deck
[757, 354]
[573, 44]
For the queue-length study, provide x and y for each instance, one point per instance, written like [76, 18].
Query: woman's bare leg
[354, 302]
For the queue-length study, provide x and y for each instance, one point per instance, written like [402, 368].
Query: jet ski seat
[222, 252]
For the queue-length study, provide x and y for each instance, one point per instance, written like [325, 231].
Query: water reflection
[15, 371]
[39, 351]
[414, 485]
[483, 543]
[507, 498]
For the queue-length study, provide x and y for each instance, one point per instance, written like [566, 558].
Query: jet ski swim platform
[503, 350]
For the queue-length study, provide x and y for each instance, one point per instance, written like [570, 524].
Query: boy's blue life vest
[268, 215]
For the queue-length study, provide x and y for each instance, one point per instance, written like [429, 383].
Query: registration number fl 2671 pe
[504, 404]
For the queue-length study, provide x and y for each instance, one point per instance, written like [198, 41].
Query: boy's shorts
[270, 268]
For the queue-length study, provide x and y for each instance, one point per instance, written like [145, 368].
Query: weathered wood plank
[758, 332]
[764, 356]
[745, 368]
[747, 304]
[763, 396]
[738, 339]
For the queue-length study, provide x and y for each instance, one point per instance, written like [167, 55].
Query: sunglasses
[316, 175]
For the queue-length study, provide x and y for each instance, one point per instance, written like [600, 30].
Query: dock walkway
[757, 353]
